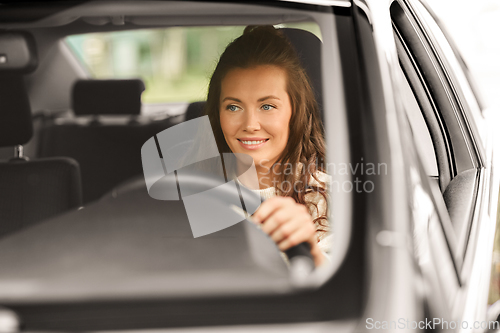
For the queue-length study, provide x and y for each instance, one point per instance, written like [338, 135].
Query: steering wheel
[209, 197]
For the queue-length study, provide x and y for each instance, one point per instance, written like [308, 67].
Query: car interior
[102, 151]
[73, 199]
[72, 142]
[32, 190]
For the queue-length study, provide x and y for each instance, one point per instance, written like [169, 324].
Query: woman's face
[255, 112]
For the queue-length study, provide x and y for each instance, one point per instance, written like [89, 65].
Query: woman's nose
[252, 122]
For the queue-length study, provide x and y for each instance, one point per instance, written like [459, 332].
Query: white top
[313, 200]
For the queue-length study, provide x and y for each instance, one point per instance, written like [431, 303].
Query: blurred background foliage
[175, 63]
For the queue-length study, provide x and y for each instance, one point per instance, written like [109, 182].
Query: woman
[260, 103]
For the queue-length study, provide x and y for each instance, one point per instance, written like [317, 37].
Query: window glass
[419, 129]
[455, 71]
[174, 63]
[174, 164]
[159, 211]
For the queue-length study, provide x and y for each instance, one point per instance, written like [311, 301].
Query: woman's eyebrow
[259, 100]
[267, 97]
[231, 98]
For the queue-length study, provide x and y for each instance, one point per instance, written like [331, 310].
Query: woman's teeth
[253, 142]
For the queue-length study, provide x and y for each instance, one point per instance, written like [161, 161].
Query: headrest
[308, 48]
[104, 97]
[17, 52]
[195, 110]
[16, 127]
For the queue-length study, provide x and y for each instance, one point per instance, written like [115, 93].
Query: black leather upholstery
[308, 48]
[101, 97]
[195, 110]
[29, 190]
[107, 154]
[15, 113]
[18, 52]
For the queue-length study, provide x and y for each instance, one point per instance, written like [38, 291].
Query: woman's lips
[252, 144]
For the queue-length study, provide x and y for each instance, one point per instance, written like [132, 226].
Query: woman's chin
[260, 160]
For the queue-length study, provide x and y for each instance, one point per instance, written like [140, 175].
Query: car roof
[135, 13]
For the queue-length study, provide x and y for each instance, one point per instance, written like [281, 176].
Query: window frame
[457, 77]
[444, 106]
[434, 124]
[420, 132]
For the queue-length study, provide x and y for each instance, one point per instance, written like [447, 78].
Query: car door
[455, 126]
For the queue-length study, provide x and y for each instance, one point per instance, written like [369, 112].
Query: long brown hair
[305, 149]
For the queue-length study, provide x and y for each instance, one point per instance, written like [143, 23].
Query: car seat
[30, 191]
[108, 148]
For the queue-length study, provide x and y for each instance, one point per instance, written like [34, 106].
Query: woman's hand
[288, 224]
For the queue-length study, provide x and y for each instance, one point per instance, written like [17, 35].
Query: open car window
[123, 243]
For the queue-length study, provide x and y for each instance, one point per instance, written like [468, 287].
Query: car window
[175, 63]
[463, 190]
[414, 89]
[427, 108]
[455, 71]
[139, 236]
[421, 135]
[446, 119]
[446, 104]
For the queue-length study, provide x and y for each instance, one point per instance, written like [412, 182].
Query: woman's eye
[232, 107]
[267, 107]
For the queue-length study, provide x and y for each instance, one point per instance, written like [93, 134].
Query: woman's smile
[252, 143]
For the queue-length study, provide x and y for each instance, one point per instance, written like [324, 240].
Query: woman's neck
[267, 178]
